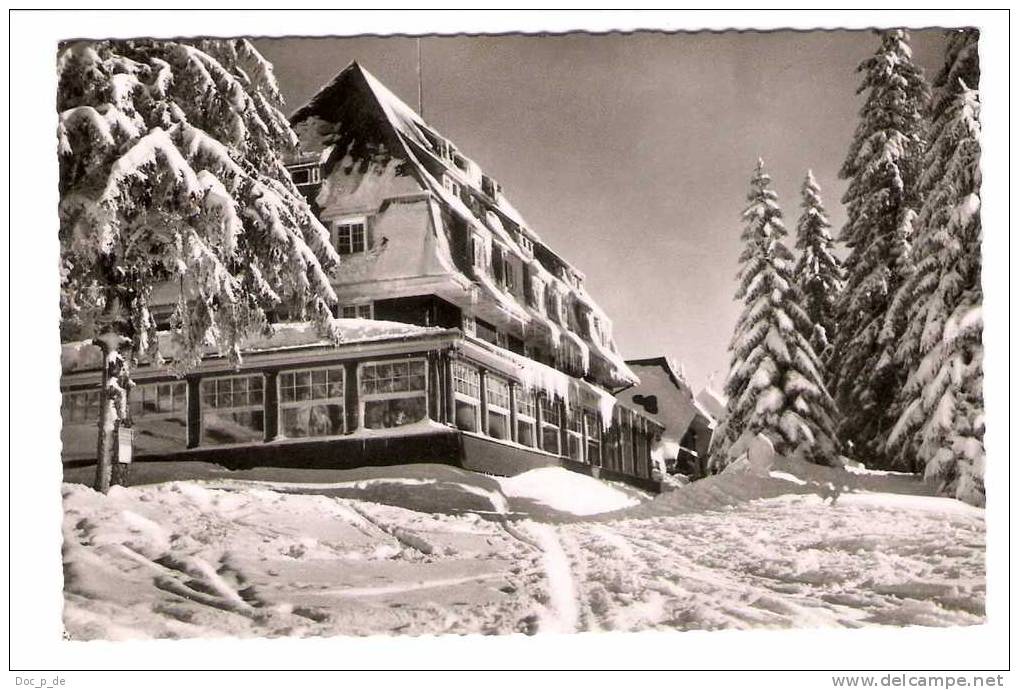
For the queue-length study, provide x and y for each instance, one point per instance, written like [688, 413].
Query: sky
[631, 155]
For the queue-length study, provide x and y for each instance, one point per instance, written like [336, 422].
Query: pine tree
[882, 168]
[171, 175]
[775, 386]
[818, 271]
[941, 413]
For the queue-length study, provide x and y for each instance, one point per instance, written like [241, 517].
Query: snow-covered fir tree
[171, 175]
[818, 270]
[882, 167]
[940, 427]
[775, 386]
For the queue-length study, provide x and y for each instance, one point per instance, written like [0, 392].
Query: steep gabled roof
[345, 113]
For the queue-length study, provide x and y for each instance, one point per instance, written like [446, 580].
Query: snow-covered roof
[417, 143]
[84, 356]
[712, 401]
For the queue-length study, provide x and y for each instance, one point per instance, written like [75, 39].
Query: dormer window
[525, 243]
[552, 304]
[536, 296]
[478, 255]
[306, 174]
[451, 185]
[489, 186]
[498, 264]
[351, 236]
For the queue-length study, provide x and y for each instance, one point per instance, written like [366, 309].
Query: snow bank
[566, 491]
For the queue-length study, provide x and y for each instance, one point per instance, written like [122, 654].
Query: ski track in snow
[185, 560]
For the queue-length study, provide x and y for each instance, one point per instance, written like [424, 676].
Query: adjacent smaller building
[665, 395]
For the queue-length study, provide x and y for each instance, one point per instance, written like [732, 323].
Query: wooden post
[434, 394]
[513, 412]
[449, 389]
[351, 397]
[194, 384]
[564, 434]
[539, 418]
[584, 455]
[483, 395]
[271, 405]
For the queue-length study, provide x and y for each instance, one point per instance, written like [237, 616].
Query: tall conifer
[775, 385]
[882, 167]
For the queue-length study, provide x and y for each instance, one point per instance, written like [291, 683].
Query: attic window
[451, 185]
[525, 243]
[306, 175]
[351, 237]
[478, 257]
[433, 139]
[459, 161]
[489, 186]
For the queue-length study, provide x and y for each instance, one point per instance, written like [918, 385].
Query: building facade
[463, 337]
[664, 394]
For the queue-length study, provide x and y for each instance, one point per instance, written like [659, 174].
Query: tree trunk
[113, 407]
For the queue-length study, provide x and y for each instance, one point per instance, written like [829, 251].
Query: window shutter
[369, 232]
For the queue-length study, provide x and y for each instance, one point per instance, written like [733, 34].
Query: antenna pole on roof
[421, 104]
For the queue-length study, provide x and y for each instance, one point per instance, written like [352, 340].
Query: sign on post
[125, 444]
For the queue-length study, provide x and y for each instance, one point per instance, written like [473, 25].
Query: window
[80, 407]
[393, 393]
[467, 395]
[486, 331]
[569, 358]
[536, 297]
[575, 433]
[551, 303]
[311, 402]
[489, 186]
[594, 436]
[525, 243]
[357, 311]
[159, 412]
[479, 257]
[626, 443]
[451, 185]
[508, 279]
[689, 441]
[79, 414]
[498, 401]
[310, 174]
[351, 237]
[498, 265]
[526, 420]
[549, 425]
[233, 409]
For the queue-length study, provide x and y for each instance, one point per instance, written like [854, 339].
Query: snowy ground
[546, 551]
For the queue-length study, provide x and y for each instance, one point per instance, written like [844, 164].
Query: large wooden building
[464, 338]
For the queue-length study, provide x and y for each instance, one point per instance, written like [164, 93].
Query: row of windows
[146, 400]
[364, 310]
[467, 386]
[312, 404]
